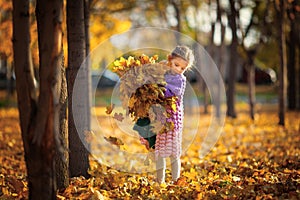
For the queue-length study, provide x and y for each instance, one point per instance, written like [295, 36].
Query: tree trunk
[282, 67]
[9, 79]
[292, 71]
[88, 61]
[79, 160]
[39, 119]
[176, 6]
[62, 154]
[24, 84]
[250, 68]
[233, 62]
[197, 62]
[213, 56]
[49, 21]
[293, 44]
[251, 88]
[220, 62]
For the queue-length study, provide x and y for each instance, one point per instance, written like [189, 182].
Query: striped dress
[169, 144]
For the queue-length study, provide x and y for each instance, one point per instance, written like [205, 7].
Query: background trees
[293, 54]
[280, 7]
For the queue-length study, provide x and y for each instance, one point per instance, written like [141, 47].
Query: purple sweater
[169, 144]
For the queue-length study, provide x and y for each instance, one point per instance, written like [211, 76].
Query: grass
[264, 94]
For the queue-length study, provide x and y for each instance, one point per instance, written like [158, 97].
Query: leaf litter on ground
[251, 160]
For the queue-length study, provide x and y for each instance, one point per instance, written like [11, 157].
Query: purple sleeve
[175, 84]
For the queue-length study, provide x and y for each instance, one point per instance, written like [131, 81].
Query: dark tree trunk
[49, 21]
[251, 84]
[282, 68]
[39, 118]
[201, 82]
[233, 62]
[24, 85]
[9, 77]
[293, 46]
[220, 62]
[79, 156]
[176, 5]
[213, 55]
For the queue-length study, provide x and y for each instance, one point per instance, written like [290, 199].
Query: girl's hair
[185, 53]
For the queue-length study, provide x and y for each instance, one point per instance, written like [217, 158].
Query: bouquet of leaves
[142, 88]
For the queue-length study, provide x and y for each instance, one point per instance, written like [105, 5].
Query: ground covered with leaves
[251, 160]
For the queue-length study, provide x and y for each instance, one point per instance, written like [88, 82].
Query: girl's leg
[160, 169]
[175, 166]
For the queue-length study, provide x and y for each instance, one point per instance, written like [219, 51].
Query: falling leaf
[114, 141]
[109, 109]
[118, 116]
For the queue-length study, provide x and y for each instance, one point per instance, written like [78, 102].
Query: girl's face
[178, 65]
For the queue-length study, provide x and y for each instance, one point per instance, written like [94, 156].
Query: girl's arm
[175, 85]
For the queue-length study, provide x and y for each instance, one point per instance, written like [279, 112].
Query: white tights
[161, 168]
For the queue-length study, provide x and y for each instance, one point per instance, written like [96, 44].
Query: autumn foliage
[251, 160]
[142, 90]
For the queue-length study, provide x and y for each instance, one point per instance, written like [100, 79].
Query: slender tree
[87, 8]
[281, 10]
[176, 5]
[233, 60]
[251, 80]
[79, 156]
[212, 52]
[197, 53]
[220, 60]
[293, 44]
[39, 115]
[251, 51]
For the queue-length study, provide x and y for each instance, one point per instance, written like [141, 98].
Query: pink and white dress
[169, 144]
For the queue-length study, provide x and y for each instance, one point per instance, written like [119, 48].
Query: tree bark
[62, 154]
[200, 80]
[9, 79]
[292, 46]
[251, 82]
[282, 68]
[251, 90]
[176, 5]
[39, 117]
[79, 160]
[220, 62]
[24, 79]
[293, 54]
[233, 62]
[88, 61]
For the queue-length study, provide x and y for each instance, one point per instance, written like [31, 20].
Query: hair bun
[184, 52]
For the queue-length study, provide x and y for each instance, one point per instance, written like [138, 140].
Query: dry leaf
[109, 109]
[114, 141]
[118, 116]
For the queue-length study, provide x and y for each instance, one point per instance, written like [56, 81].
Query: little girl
[169, 144]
